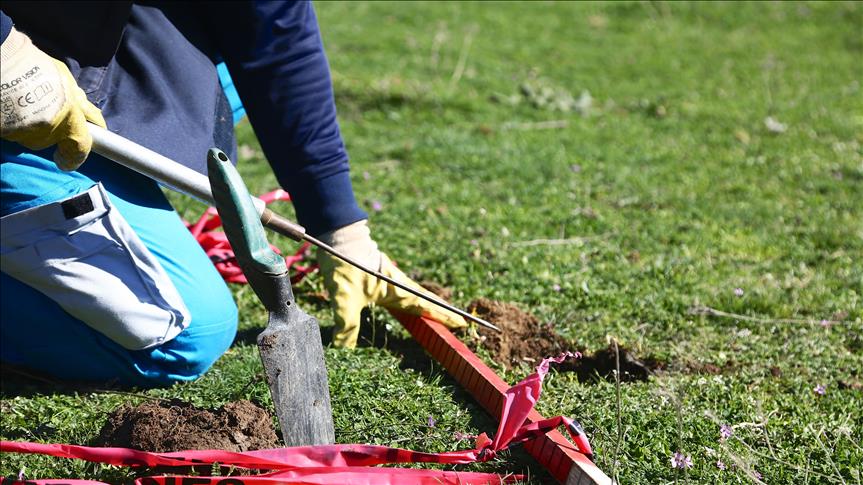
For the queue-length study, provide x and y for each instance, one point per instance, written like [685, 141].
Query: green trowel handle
[265, 270]
[240, 219]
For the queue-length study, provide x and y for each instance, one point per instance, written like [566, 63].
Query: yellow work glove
[351, 289]
[41, 104]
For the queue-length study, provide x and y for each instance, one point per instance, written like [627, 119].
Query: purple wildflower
[576, 168]
[725, 431]
[826, 323]
[366, 175]
[738, 291]
[556, 287]
[720, 465]
[377, 206]
[756, 475]
[679, 460]
[431, 421]
[820, 389]
[21, 475]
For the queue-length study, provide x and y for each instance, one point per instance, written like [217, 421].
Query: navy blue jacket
[150, 68]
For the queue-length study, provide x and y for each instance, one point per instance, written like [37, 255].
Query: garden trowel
[290, 346]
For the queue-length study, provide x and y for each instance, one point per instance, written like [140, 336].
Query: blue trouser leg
[36, 332]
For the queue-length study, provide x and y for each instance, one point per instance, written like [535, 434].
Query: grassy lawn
[703, 163]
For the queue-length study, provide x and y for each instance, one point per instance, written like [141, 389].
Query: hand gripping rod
[187, 181]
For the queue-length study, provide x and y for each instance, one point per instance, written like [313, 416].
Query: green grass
[672, 180]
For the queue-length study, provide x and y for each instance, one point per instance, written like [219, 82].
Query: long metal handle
[162, 169]
[187, 181]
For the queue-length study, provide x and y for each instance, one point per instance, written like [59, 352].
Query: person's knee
[215, 329]
[210, 333]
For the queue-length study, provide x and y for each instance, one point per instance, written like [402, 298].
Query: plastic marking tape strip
[552, 450]
[312, 476]
[338, 464]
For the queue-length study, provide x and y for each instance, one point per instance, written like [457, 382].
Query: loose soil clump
[603, 364]
[165, 426]
[523, 337]
[526, 340]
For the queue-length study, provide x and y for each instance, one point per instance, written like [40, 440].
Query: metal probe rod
[187, 181]
[296, 232]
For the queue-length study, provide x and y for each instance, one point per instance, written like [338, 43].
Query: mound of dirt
[523, 337]
[527, 340]
[164, 426]
[603, 363]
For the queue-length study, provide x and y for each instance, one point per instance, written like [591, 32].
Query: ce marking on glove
[34, 96]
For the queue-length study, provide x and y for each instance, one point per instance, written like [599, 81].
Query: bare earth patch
[526, 339]
[163, 426]
[523, 337]
[603, 364]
